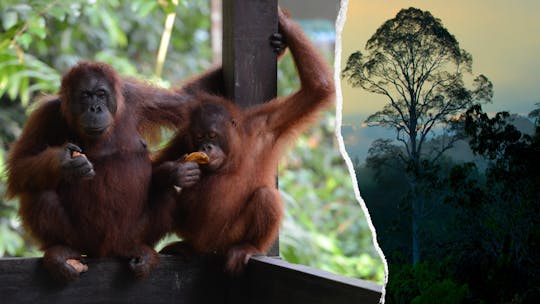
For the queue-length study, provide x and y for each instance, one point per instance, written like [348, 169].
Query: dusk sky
[502, 36]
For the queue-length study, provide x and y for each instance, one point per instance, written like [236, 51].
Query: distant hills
[358, 138]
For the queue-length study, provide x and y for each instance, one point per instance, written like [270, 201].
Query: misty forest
[454, 194]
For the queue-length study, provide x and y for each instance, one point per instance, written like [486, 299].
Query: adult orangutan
[82, 169]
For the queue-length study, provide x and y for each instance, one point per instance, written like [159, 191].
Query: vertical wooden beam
[216, 30]
[249, 63]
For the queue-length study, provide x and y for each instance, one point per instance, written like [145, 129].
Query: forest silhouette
[452, 231]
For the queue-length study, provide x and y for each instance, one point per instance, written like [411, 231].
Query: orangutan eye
[100, 93]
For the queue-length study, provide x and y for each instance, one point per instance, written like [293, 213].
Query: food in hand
[198, 157]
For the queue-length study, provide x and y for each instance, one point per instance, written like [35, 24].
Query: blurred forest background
[39, 40]
[454, 194]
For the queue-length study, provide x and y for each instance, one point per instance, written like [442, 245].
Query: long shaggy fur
[236, 211]
[105, 215]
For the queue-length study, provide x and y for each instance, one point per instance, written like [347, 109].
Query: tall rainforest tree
[419, 67]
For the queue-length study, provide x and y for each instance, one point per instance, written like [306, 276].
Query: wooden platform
[199, 280]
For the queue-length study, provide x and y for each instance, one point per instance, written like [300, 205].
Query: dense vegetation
[39, 40]
[452, 231]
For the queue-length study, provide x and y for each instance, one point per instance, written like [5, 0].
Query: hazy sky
[502, 36]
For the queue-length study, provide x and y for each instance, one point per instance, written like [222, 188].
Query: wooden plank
[177, 280]
[271, 280]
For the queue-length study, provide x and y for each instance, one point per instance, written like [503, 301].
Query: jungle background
[40, 40]
[453, 189]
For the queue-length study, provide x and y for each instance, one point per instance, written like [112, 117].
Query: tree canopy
[419, 66]
[414, 61]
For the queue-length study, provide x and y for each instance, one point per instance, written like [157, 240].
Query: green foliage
[446, 291]
[493, 137]
[500, 209]
[326, 227]
[39, 38]
[535, 114]
[481, 241]
[11, 241]
[469, 229]
[22, 79]
[426, 282]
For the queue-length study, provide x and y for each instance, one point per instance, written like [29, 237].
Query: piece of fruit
[198, 157]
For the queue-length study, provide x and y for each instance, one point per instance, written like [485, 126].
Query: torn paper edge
[340, 21]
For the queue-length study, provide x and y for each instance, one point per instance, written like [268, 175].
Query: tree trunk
[415, 232]
[416, 218]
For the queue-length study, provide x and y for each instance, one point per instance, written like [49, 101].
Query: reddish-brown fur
[101, 216]
[236, 211]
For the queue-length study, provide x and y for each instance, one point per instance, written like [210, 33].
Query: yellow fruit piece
[198, 157]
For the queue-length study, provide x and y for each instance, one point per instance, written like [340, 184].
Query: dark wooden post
[249, 63]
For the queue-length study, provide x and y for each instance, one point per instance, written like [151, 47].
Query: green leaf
[13, 86]
[143, 8]
[11, 32]
[58, 12]
[327, 243]
[37, 28]
[24, 40]
[116, 34]
[169, 7]
[9, 19]
[24, 94]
